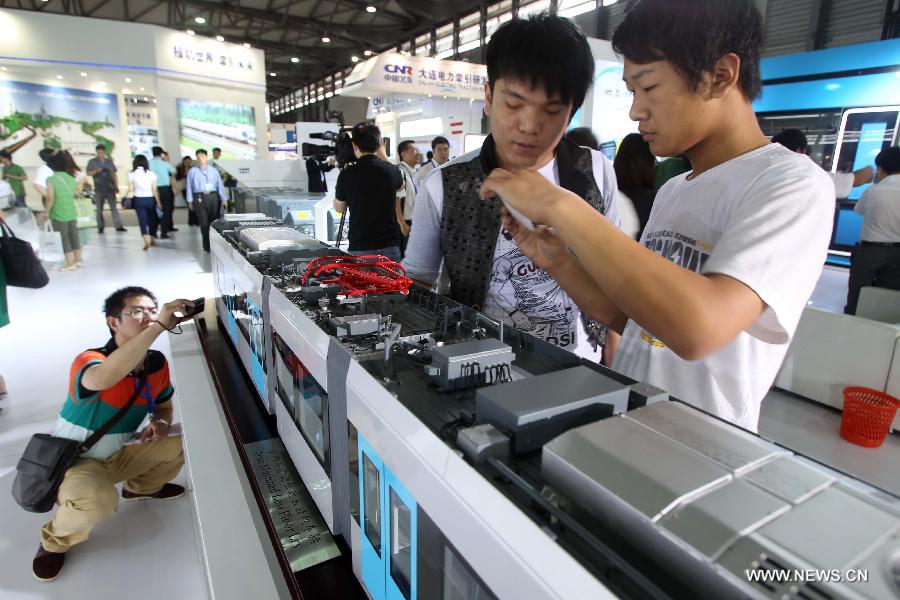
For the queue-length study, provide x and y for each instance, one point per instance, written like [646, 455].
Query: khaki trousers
[88, 493]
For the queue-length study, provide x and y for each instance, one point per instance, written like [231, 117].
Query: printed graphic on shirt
[528, 298]
[680, 249]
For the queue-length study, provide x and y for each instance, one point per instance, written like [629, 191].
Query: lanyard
[147, 395]
[411, 177]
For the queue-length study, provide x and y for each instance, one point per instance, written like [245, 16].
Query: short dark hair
[792, 139]
[200, 151]
[5, 154]
[140, 161]
[115, 302]
[544, 51]
[100, 147]
[366, 136]
[404, 146]
[693, 35]
[217, 149]
[635, 164]
[583, 136]
[439, 140]
[46, 153]
[158, 151]
[889, 160]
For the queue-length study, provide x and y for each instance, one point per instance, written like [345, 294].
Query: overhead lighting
[273, 74]
[83, 74]
[370, 9]
[142, 89]
[246, 45]
[354, 58]
[328, 94]
[325, 39]
[219, 38]
[368, 53]
[125, 91]
[102, 83]
[190, 32]
[199, 20]
[128, 80]
[59, 76]
[146, 99]
[2, 68]
[294, 59]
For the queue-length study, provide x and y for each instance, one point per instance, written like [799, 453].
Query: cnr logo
[399, 69]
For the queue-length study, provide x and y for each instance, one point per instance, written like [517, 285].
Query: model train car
[460, 458]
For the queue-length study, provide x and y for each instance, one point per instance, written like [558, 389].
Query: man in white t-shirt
[539, 71]
[710, 297]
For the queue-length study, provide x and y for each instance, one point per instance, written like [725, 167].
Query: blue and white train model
[461, 459]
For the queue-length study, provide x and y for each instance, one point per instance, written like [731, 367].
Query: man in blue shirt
[164, 172]
[204, 194]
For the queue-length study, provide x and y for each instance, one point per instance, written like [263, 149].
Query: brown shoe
[47, 565]
[167, 492]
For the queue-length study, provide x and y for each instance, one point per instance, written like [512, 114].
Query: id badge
[208, 188]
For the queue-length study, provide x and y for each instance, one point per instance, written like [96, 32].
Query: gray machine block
[483, 441]
[715, 520]
[448, 362]
[537, 409]
[621, 458]
[644, 394]
[729, 446]
[355, 324]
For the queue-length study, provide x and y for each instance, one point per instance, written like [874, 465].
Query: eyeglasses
[140, 313]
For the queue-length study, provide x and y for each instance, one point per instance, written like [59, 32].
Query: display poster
[207, 125]
[612, 103]
[143, 132]
[34, 116]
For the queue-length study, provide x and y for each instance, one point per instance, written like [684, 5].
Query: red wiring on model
[360, 275]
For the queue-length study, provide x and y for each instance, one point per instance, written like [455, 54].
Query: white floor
[148, 550]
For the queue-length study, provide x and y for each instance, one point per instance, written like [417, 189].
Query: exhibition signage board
[231, 127]
[400, 75]
[34, 116]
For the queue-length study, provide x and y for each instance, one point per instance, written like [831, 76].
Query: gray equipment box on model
[448, 362]
[537, 409]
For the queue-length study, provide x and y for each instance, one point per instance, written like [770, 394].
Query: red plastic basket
[867, 416]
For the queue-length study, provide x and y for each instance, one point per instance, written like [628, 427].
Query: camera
[341, 147]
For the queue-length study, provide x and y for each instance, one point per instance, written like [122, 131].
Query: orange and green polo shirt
[85, 410]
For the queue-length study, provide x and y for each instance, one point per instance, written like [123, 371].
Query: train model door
[388, 526]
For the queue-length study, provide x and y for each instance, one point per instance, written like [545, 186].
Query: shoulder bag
[23, 267]
[46, 459]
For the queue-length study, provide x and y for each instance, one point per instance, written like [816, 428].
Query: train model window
[372, 503]
[353, 451]
[304, 398]
[460, 583]
[310, 413]
[401, 544]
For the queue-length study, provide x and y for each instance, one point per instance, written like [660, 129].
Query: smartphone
[197, 309]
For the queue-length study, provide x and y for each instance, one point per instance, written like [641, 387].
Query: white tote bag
[50, 243]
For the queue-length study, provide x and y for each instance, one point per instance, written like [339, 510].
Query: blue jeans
[391, 252]
[20, 200]
[146, 213]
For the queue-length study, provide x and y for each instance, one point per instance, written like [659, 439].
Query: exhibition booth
[417, 98]
[72, 82]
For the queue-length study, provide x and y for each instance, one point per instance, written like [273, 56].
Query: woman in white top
[142, 188]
